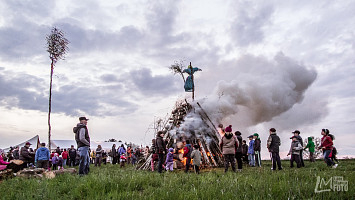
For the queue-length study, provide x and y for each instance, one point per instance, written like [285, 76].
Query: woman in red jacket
[327, 147]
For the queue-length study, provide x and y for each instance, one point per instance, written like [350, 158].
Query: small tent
[34, 141]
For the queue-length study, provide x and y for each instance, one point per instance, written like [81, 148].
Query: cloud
[247, 26]
[153, 85]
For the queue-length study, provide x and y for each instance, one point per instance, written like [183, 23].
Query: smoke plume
[257, 90]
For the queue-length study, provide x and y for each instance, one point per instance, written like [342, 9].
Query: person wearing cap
[257, 148]
[273, 144]
[295, 152]
[169, 160]
[25, 155]
[42, 157]
[229, 145]
[297, 134]
[161, 148]
[238, 153]
[251, 151]
[82, 139]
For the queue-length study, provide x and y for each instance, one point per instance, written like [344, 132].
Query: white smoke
[256, 90]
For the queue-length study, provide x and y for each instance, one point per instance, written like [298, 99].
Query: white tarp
[34, 141]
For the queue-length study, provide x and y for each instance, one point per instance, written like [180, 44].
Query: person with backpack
[187, 155]
[310, 146]
[238, 153]
[257, 148]
[327, 147]
[82, 139]
[229, 145]
[273, 144]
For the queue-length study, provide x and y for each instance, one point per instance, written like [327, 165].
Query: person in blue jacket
[42, 157]
[251, 151]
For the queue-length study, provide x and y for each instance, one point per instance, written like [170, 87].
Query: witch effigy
[189, 83]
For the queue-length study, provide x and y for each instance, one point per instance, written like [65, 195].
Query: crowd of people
[233, 147]
[235, 151]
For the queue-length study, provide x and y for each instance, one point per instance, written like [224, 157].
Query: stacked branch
[179, 130]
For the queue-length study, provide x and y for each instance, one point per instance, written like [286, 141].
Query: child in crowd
[55, 159]
[245, 151]
[251, 151]
[310, 146]
[295, 152]
[169, 160]
[155, 158]
[122, 160]
[60, 162]
[196, 156]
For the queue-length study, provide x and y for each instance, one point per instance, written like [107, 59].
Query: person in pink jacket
[2, 162]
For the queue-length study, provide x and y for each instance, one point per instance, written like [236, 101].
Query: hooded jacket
[196, 156]
[229, 144]
[25, 154]
[81, 135]
[187, 151]
[42, 154]
[310, 145]
[327, 142]
[160, 144]
[169, 157]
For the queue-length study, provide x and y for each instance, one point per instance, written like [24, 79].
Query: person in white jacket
[295, 152]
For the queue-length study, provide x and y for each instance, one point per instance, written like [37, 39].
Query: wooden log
[5, 174]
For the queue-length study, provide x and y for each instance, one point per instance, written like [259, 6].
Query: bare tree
[57, 47]
[178, 68]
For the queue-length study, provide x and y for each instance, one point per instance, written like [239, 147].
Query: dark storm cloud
[158, 85]
[28, 92]
[247, 27]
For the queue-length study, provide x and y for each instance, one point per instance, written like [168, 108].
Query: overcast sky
[283, 64]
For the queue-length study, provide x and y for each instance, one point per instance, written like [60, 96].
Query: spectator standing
[273, 144]
[83, 141]
[72, 156]
[65, 157]
[42, 157]
[229, 145]
[98, 157]
[196, 156]
[160, 144]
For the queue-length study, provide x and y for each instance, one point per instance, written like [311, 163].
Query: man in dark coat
[25, 155]
[83, 141]
[257, 148]
[238, 153]
[72, 156]
[114, 154]
[161, 149]
[273, 144]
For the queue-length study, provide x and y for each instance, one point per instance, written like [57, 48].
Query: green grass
[111, 182]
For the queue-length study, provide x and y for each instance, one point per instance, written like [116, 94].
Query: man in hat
[82, 139]
[25, 155]
[297, 134]
[257, 148]
[273, 144]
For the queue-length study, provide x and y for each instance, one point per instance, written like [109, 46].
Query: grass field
[111, 182]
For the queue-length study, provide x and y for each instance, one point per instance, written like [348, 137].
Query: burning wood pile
[190, 122]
